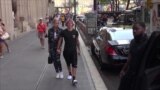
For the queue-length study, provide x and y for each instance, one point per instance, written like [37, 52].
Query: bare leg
[69, 70]
[42, 42]
[1, 50]
[5, 43]
[74, 70]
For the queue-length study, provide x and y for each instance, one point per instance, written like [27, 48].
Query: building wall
[28, 11]
[7, 16]
[155, 20]
[31, 10]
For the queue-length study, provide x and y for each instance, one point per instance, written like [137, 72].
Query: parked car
[111, 45]
[82, 18]
[148, 77]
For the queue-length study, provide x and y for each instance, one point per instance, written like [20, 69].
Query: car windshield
[121, 35]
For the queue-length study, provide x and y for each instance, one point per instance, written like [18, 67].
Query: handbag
[5, 36]
[50, 60]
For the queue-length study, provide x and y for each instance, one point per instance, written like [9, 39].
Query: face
[55, 23]
[70, 24]
[40, 21]
[138, 30]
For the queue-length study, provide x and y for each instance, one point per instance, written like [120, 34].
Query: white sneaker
[69, 77]
[57, 75]
[74, 82]
[61, 75]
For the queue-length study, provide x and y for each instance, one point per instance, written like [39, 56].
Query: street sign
[91, 23]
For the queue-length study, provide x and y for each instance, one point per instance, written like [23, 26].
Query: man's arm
[49, 40]
[78, 46]
[59, 45]
[125, 67]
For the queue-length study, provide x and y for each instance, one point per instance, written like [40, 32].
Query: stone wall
[28, 13]
[7, 16]
[26, 16]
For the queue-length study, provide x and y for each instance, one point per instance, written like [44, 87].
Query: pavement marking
[41, 76]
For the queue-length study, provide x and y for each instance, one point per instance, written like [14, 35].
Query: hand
[122, 73]
[59, 51]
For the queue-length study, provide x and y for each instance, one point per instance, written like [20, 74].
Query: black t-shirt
[70, 38]
[137, 50]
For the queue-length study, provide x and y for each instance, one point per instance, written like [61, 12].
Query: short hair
[142, 24]
[55, 19]
[70, 20]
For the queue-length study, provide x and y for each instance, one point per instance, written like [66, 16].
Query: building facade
[22, 15]
[6, 15]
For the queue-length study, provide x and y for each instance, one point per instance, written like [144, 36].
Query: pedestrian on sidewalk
[71, 48]
[41, 31]
[63, 19]
[53, 36]
[4, 41]
[129, 72]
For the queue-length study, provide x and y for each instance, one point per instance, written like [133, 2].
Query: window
[122, 35]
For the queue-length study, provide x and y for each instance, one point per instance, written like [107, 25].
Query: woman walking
[53, 37]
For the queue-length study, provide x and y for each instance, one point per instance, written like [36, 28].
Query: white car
[81, 18]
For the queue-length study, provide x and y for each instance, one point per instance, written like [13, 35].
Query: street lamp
[75, 12]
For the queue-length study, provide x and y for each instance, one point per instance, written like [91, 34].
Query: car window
[154, 58]
[122, 35]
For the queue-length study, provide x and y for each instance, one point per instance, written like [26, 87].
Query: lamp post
[75, 12]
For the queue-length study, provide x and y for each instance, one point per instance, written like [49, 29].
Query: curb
[95, 76]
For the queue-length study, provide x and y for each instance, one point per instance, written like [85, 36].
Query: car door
[150, 69]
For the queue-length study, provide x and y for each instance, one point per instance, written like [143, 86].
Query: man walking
[53, 36]
[137, 46]
[71, 49]
[41, 30]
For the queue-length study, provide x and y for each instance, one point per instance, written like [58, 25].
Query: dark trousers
[56, 61]
[127, 81]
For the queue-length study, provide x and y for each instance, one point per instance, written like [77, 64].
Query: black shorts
[70, 57]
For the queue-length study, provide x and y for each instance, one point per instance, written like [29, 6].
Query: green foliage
[125, 0]
[104, 1]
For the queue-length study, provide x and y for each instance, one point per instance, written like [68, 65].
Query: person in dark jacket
[53, 37]
[137, 46]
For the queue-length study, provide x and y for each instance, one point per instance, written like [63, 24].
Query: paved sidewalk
[26, 68]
